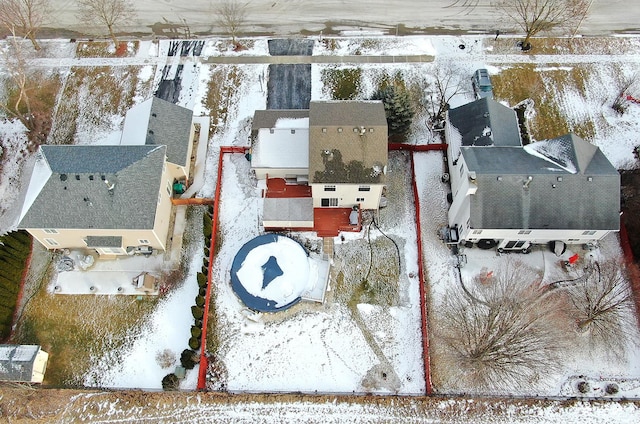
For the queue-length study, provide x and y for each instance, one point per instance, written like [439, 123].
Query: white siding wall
[537, 236]
[347, 195]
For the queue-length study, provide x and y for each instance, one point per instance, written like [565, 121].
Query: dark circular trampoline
[270, 272]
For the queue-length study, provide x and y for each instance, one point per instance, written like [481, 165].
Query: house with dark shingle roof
[338, 148]
[512, 195]
[113, 199]
[22, 363]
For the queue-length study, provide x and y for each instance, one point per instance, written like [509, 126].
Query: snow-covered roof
[16, 362]
[486, 122]
[282, 147]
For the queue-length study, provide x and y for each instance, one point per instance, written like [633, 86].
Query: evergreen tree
[397, 106]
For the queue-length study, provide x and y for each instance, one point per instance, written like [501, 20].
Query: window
[143, 241]
[168, 188]
[524, 232]
[359, 199]
[364, 188]
[588, 233]
[51, 242]
[50, 231]
[329, 202]
[329, 188]
[477, 232]
[461, 169]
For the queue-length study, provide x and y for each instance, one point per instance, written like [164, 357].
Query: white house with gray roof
[114, 199]
[338, 148]
[512, 195]
[22, 363]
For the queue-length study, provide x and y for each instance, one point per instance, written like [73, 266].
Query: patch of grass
[102, 92]
[223, 84]
[104, 48]
[565, 45]
[342, 83]
[76, 329]
[545, 87]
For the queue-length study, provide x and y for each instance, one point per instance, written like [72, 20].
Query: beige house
[22, 363]
[347, 153]
[113, 199]
[338, 148]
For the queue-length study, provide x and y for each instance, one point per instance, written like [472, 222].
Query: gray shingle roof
[170, 125]
[158, 122]
[104, 241]
[486, 122]
[572, 186]
[338, 152]
[16, 362]
[77, 194]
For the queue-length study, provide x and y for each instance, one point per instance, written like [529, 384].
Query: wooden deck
[278, 188]
[327, 222]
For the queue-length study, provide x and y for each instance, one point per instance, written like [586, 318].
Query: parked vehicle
[481, 83]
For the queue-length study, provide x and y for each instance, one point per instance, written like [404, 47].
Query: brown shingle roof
[347, 142]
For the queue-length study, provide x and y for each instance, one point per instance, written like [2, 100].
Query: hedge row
[14, 251]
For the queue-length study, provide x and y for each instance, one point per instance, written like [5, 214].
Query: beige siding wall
[156, 237]
[347, 195]
[39, 367]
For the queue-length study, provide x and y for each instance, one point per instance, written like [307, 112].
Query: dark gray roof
[170, 125]
[158, 122]
[572, 186]
[486, 122]
[16, 362]
[104, 241]
[77, 192]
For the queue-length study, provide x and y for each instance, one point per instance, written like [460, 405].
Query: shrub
[203, 291]
[196, 332]
[189, 359]
[194, 343]
[170, 382]
[197, 312]
[205, 270]
[199, 301]
[202, 279]
[197, 323]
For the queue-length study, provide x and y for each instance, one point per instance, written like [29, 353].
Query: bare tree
[446, 85]
[626, 86]
[21, 101]
[111, 13]
[535, 16]
[25, 17]
[231, 15]
[603, 305]
[503, 331]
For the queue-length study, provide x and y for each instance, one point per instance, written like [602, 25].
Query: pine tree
[397, 106]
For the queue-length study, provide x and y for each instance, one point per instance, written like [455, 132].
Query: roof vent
[150, 132]
[77, 177]
[63, 177]
[90, 177]
[154, 114]
[363, 130]
[339, 130]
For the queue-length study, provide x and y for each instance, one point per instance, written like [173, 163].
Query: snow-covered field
[334, 347]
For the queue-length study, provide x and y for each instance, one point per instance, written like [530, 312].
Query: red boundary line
[204, 363]
[632, 267]
[423, 297]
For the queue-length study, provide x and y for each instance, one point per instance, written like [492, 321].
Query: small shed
[22, 363]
